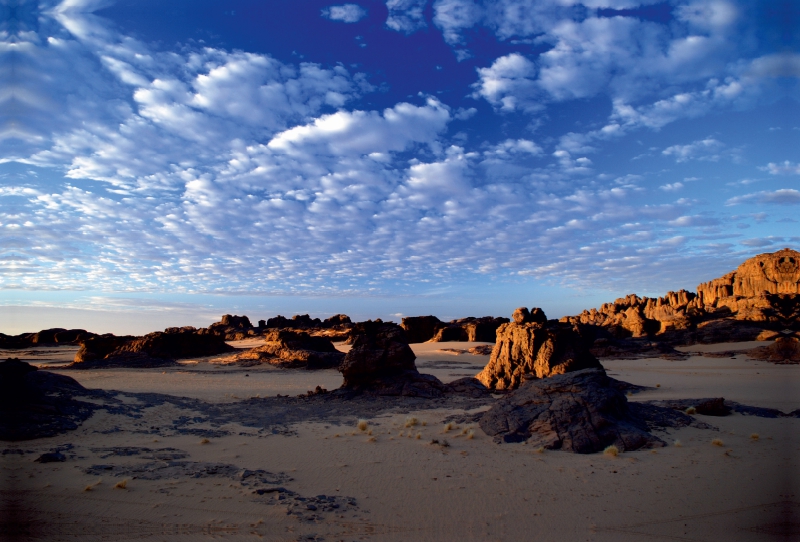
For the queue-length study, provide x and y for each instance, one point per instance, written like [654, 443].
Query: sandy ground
[391, 485]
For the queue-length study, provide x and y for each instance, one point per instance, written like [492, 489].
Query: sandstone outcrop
[535, 350]
[37, 404]
[420, 329]
[784, 350]
[231, 328]
[293, 349]
[429, 328]
[153, 350]
[764, 291]
[579, 412]
[381, 363]
[49, 337]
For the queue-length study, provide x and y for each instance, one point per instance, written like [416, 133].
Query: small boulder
[379, 350]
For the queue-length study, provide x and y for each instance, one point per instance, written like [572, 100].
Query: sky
[164, 163]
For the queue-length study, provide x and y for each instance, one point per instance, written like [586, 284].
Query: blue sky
[164, 163]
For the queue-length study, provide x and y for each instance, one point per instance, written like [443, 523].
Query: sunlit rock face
[772, 273]
[763, 289]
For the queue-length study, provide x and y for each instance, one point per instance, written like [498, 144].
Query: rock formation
[293, 349]
[785, 349]
[420, 329]
[37, 404]
[381, 363]
[528, 349]
[764, 291]
[579, 412]
[49, 337]
[429, 328]
[152, 350]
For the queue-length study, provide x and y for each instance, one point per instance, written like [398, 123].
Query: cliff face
[764, 289]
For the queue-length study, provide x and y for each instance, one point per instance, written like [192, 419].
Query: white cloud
[454, 16]
[509, 84]
[671, 187]
[346, 13]
[704, 149]
[406, 16]
[785, 168]
[784, 196]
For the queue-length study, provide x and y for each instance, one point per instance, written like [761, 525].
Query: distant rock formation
[293, 349]
[429, 328]
[528, 348]
[764, 291]
[579, 412]
[153, 350]
[785, 349]
[48, 337]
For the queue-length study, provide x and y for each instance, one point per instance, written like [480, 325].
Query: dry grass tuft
[754, 436]
[539, 450]
[612, 451]
[369, 432]
[372, 439]
[717, 442]
[470, 434]
[362, 425]
[336, 435]
[449, 426]
[419, 436]
[411, 422]
[658, 385]
[424, 424]
[678, 444]
[691, 411]
[204, 441]
[122, 484]
[92, 486]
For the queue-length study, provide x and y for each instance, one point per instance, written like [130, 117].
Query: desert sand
[189, 476]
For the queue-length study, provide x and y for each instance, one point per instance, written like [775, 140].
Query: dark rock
[379, 350]
[783, 350]
[535, 350]
[451, 333]
[51, 457]
[578, 412]
[37, 404]
[153, 350]
[420, 329]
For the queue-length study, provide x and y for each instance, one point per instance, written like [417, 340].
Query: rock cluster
[531, 347]
[293, 349]
[233, 328]
[54, 336]
[421, 329]
[152, 350]
[764, 291]
[579, 412]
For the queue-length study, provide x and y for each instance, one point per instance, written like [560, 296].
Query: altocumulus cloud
[346, 13]
[203, 169]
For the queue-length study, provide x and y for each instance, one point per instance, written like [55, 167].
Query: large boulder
[579, 412]
[535, 350]
[420, 329]
[380, 349]
[37, 404]
[293, 349]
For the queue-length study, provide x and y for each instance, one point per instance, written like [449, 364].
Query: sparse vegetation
[122, 484]
[411, 422]
[691, 411]
[449, 426]
[612, 451]
[419, 436]
[678, 444]
[717, 442]
[204, 441]
[470, 434]
[539, 450]
[754, 436]
[362, 425]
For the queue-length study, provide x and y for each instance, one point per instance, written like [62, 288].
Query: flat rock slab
[581, 412]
